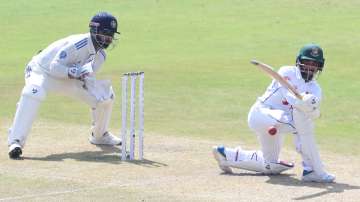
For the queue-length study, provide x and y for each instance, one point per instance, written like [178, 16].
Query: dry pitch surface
[60, 165]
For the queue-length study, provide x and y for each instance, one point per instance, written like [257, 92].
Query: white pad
[101, 118]
[252, 161]
[26, 112]
[306, 144]
[248, 160]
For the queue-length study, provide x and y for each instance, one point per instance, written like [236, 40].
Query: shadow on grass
[327, 188]
[290, 180]
[108, 154]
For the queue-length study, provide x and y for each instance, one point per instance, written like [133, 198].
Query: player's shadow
[290, 180]
[327, 188]
[107, 154]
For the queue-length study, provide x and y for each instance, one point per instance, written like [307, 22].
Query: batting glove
[309, 103]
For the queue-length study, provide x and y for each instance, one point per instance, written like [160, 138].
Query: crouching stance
[68, 66]
[276, 113]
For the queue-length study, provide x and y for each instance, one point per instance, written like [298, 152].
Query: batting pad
[307, 145]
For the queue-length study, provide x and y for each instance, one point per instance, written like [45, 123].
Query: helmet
[310, 61]
[103, 26]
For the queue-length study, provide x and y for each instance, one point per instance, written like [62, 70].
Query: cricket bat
[272, 73]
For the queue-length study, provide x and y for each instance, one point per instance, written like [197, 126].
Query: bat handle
[298, 95]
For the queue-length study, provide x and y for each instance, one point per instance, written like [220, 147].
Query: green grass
[196, 57]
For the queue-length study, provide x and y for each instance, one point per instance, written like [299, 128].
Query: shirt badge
[62, 55]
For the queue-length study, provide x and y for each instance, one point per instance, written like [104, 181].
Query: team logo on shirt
[314, 52]
[113, 24]
[62, 55]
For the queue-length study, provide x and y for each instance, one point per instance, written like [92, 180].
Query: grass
[196, 57]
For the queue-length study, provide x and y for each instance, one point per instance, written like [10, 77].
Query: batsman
[279, 112]
[68, 66]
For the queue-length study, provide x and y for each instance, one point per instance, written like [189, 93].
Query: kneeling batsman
[68, 66]
[279, 112]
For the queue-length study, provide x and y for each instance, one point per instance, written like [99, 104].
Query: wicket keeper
[68, 66]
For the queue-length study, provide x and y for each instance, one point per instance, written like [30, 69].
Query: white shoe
[220, 156]
[15, 151]
[106, 139]
[311, 176]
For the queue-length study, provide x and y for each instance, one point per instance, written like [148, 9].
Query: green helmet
[311, 52]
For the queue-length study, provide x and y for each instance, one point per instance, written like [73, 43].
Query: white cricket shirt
[75, 50]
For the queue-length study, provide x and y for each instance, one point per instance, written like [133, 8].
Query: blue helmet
[103, 26]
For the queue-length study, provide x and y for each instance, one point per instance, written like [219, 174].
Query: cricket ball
[272, 130]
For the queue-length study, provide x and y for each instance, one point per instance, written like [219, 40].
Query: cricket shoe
[15, 151]
[106, 139]
[311, 176]
[220, 156]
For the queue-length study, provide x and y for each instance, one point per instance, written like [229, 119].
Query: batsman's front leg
[306, 145]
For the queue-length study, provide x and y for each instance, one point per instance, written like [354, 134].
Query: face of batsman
[310, 61]
[308, 69]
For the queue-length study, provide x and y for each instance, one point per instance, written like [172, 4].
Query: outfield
[199, 87]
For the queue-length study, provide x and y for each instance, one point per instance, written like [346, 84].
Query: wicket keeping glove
[75, 72]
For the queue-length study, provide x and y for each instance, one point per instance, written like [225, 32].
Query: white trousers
[38, 84]
[270, 126]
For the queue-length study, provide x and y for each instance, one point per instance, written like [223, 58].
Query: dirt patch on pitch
[60, 164]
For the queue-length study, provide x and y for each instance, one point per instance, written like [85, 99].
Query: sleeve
[289, 74]
[316, 90]
[290, 98]
[64, 59]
